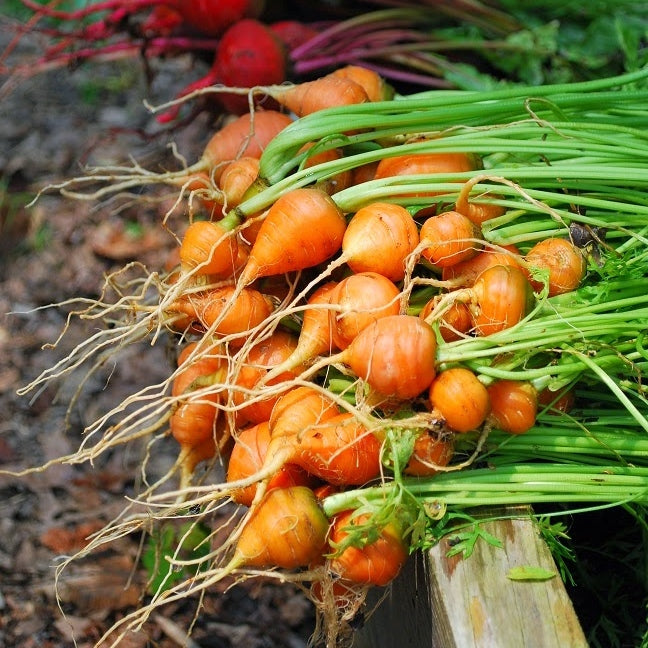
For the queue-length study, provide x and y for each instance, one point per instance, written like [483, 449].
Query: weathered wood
[441, 602]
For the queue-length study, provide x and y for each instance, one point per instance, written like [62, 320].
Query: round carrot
[514, 405]
[454, 322]
[335, 183]
[466, 272]
[326, 92]
[450, 237]
[237, 177]
[315, 335]
[378, 238]
[302, 228]
[259, 360]
[207, 249]
[361, 299]
[287, 529]
[460, 398]
[374, 562]
[563, 262]
[430, 452]
[502, 295]
[247, 458]
[374, 85]
[395, 355]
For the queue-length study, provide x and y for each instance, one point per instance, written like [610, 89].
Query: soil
[52, 127]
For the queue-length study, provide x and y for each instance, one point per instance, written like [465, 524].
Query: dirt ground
[60, 249]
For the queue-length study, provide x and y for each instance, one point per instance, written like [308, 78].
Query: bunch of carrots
[387, 310]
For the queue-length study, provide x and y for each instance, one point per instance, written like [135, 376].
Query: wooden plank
[441, 602]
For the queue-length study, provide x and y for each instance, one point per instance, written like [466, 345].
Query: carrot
[466, 272]
[287, 529]
[502, 295]
[335, 183]
[395, 355]
[236, 312]
[237, 177]
[555, 402]
[315, 335]
[450, 238]
[207, 249]
[477, 212]
[377, 561]
[247, 458]
[248, 135]
[561, 260]
[426, 163]
[372, 83]
[378, 238]
[460, 398]
[259, 360]
[302, 228]
[514, 405]
[430, 452]
[326, 92]
[454, 322]
[361, 299]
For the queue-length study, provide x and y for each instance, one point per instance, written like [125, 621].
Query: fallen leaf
[115, 241]
[64, 540]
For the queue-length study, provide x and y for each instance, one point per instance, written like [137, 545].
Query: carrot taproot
[460, 398]
[325, 92]
[303, 228]
[562, 261]
[454, 322]
[376, 561]
[315, 334]
[431, 451]
[502, 296]
[450, 238]
[378, 238]
[287, 529]
[262, 357]
[359, 300]
[247, 457]
[207, 249]
[372, 82]
[332, 184]
[514, 405]
[466, 272]
[395, 355]
[237, 177]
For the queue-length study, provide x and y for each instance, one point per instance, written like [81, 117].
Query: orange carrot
[335, 183]
[502, 295]
[395, 355]
[378, 238]
[514, 405]
[466, 272]
[361, 299]
[563, 262]
[287, 529]
[460, 398]
[452, 239]
[246, 136]
[315, 335]
[326, 92]
[207, 249]
[302, 228]
[454, 322]
[260, 359]
[237, 177]
[374, 85]
[376, 562]
[430, 452]
[247, 458]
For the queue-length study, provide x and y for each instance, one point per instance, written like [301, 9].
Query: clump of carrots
[358, 333]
